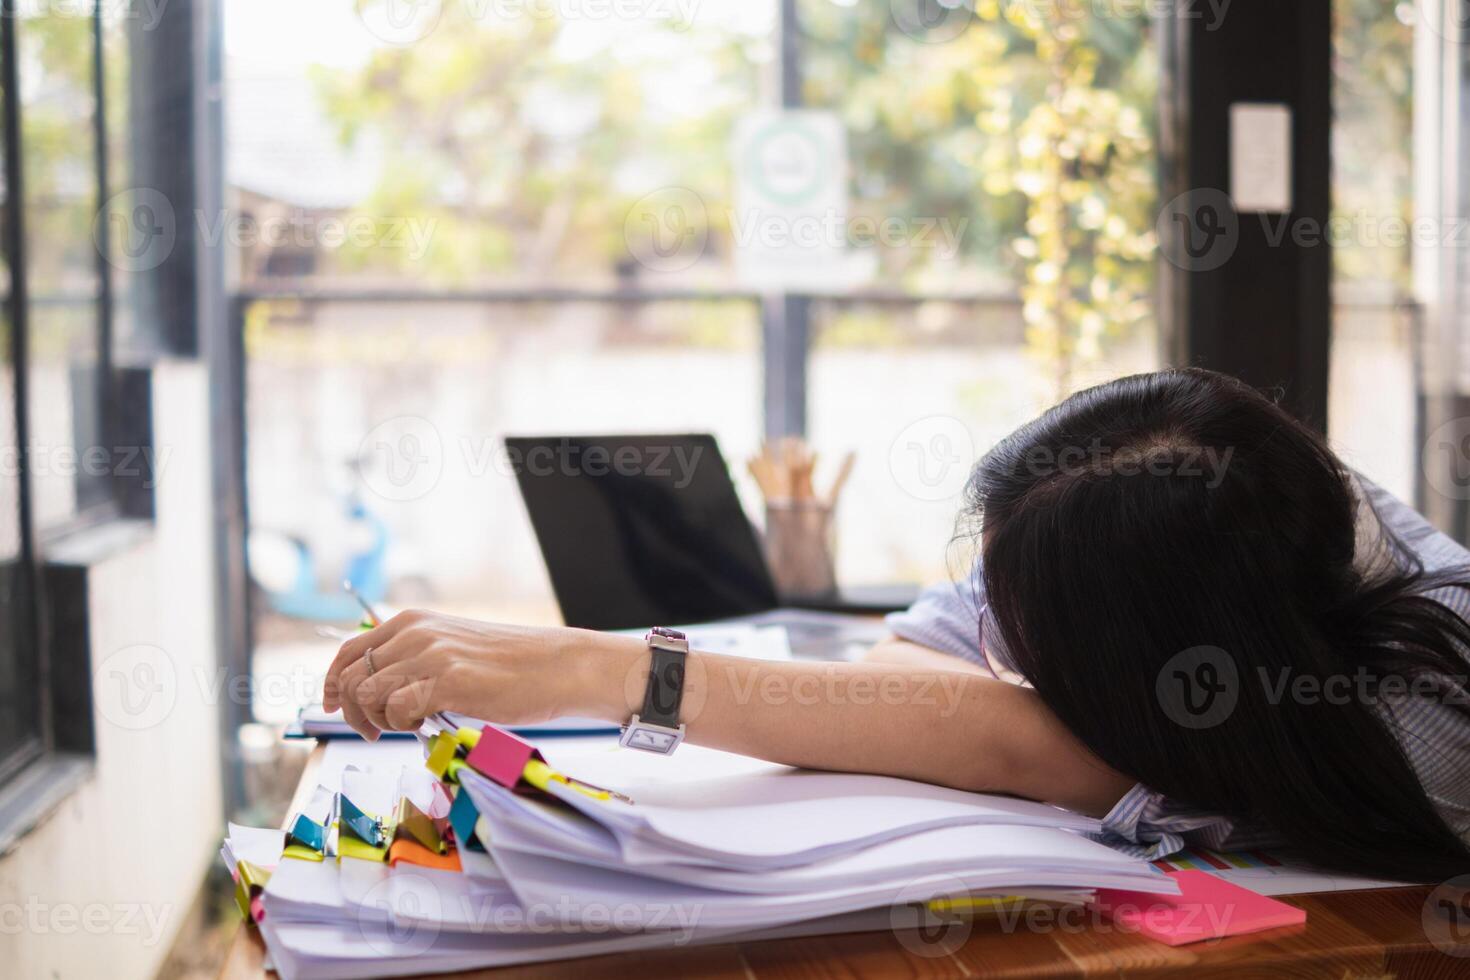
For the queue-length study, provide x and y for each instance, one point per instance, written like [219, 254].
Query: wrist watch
[656, 728]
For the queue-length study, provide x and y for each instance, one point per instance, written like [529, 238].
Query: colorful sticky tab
[462, 817]
[307, 833]
[540, 775]
[301, 852]
[501, 756]
[365, 828]
[442, 750]
[418, 825]
[249, 880]
[439, 806]
[253, 875]
[467, 737]
[242, 899]
[350, 847]
[408, 851]
[1207, 907]
[976, 904]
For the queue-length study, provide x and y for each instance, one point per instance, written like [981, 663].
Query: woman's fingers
[371, 694]
[402, 647]
[357, 718]
[398, 649]
[406, 708]
[352, 651]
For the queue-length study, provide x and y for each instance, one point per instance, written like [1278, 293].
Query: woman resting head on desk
[1225, 636]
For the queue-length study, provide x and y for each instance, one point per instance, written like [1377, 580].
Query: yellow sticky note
[301, 853]
[441, 753]
[351, 847]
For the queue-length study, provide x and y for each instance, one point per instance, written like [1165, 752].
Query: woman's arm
[949, 727]
[892, 650]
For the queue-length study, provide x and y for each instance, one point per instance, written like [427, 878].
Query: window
[66, 368]
[1375, 313]
[54, 363]
[19, 707]
[522, 218]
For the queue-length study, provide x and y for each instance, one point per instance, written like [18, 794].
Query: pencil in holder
[799, 547]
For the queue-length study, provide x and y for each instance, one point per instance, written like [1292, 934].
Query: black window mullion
[102, 230]
[32, 677]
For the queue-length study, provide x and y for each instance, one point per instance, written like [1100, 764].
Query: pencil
[372, 616]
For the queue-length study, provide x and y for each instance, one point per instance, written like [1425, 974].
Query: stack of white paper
[714, 847]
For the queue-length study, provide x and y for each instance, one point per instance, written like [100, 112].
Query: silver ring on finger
[367, 658]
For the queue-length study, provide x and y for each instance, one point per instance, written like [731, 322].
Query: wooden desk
[1347, 936]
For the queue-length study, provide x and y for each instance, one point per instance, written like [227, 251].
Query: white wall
[102, 885]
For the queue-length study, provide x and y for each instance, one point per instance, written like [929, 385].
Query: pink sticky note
[1206, 908]
[501, 756]
[440, 802]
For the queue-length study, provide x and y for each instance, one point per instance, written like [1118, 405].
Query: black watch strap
[669, 649]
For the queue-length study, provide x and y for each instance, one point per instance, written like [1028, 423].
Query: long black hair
[1166, 556]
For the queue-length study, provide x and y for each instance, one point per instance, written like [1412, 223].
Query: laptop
[645, 530]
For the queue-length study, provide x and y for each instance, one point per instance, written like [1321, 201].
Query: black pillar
[1250, 295]
[786, 317]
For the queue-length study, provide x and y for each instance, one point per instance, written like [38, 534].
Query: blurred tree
[58, 147]
[527, 145]
[1038, 130]
[54, 53]
[1372, 138]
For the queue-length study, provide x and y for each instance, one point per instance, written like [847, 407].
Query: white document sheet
[301, 951]
[587, 894]
[945, 850]
[769, 816]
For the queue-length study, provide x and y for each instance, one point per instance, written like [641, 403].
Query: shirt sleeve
[947, 617]
[1433, 733]
[1437, 550]
[1148, 825]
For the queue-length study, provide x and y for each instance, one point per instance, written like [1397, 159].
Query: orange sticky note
[412, 852]
[1206, 908]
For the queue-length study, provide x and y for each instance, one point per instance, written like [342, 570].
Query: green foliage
[528, 158]
[1372, 139]
[1039, 132]
[513, 147]
[58, 150]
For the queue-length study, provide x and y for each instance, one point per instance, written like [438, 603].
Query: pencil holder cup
[799, 547]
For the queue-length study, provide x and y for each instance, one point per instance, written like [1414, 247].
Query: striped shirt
[954, 618]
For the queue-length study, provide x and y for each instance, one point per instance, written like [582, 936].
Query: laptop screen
[640, 531]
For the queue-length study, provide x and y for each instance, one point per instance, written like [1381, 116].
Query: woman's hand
[426, 662]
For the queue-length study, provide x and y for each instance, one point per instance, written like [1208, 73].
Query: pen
[372, 616]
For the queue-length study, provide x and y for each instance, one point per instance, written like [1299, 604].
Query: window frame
[26, 636]
[50, 625]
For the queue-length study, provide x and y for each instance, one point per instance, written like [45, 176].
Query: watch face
[652, 741]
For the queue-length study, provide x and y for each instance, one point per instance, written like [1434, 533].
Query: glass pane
[493, 144]
[1036, 138]
[58, 159]
[375, 434]
[919, 391]
[1372, 202]
[130, 257]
